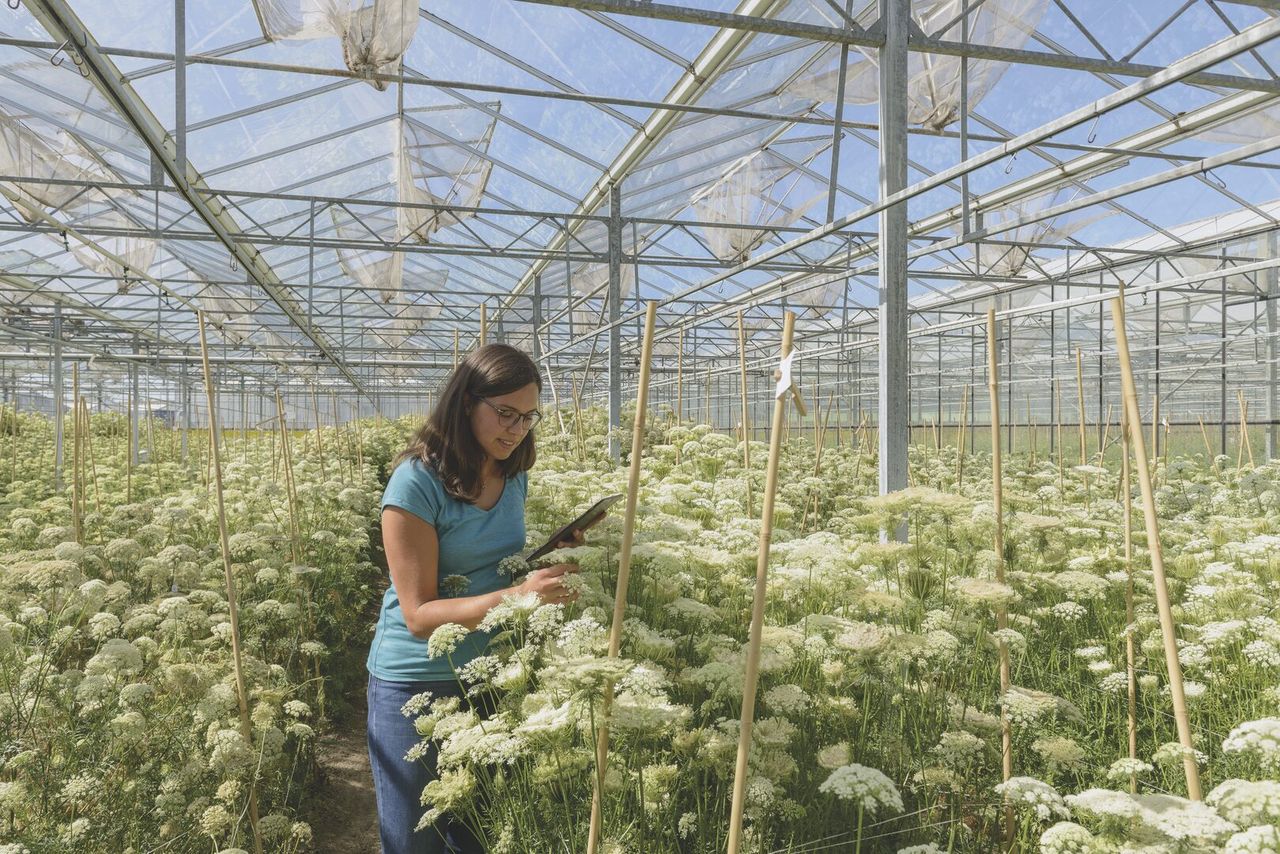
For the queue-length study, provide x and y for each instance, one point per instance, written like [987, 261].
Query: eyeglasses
[508, 417]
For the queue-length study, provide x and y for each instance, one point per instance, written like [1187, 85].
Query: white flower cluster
[1258, 739]
[866, 788]
[1038, 796]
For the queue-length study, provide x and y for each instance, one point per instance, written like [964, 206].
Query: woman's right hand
[549, 584]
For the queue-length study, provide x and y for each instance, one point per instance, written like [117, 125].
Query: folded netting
[760, 188]
[374, 33]
[442, 160]
[933, 81]
[373, 269]
[1005, 259]
[27, 155]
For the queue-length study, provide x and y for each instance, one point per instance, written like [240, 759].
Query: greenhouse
[927, 350]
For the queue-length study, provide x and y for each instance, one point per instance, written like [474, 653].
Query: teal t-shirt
[472, 541]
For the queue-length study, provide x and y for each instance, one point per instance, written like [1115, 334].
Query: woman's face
[486, 425]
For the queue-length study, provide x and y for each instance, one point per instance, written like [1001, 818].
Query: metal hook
[55, 60]
[1214, 179]
[15, 5]
[1093, 128]
[1009, 166]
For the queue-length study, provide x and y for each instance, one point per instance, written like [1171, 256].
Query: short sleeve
[522, 482]
[414, 488]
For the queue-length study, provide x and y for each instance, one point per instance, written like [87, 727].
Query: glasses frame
[530, 419]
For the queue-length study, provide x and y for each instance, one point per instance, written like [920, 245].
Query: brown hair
[445, 442]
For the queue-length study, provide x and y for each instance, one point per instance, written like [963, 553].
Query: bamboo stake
[484, 324]
[290, 492]
[93, 463]
[455, 349]
[1168, 630]
[1002, 614]
[1080, 399]
[1031, 431]
[77, 431]
[624, 570]
[1244, 429]
[555, 398]
[1057, 426]
[707, 397]
[315, 405]
[1208, 449]
[964, 417]
[812, 501]
[1155, 422]
[757, 605]
[746, 422]
[1106, 430]
[1130, 654]
[246, 728]
[13, 464]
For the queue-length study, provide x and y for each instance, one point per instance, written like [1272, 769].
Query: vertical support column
[615, 312]
[58, 412]
[1273, 371]
[892, 322]
[180, 89]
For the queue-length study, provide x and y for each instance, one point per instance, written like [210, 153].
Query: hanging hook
[1009, 166]
[1093, 128]
[56, 60]
[15, 5]
[1214, 179]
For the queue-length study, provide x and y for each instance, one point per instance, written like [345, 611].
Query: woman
[453, 508]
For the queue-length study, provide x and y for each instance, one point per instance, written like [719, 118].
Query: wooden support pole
[960, 438]
[624, 571]
[1208, 449]
[484, 324]
[315, 405]
[1130, 653]
[1163, 607]
[1002, 614]
[455, 349]
[242, 695]
[758, 601]
[290, 490]
[93, 463]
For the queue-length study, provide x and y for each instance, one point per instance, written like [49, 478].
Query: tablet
[594, 514]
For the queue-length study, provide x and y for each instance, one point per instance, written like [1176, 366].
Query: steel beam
[894, 365]
[59, 20]
[615, 329]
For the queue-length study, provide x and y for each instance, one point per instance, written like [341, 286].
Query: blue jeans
[398, 783]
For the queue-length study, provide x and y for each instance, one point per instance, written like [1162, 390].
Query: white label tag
[784, 375]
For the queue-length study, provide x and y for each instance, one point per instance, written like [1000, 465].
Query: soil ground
[343, 812]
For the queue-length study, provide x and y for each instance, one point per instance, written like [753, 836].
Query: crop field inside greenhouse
[927, 350]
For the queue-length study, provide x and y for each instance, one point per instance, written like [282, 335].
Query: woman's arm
[413, 556]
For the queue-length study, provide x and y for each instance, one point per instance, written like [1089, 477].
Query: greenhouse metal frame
[717, 160]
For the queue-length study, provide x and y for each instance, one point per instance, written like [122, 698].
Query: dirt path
[344, 814]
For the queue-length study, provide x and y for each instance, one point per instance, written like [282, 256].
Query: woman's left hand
[577, 539]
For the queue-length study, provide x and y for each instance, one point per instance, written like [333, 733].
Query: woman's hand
[548, 583]
[576, 538]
